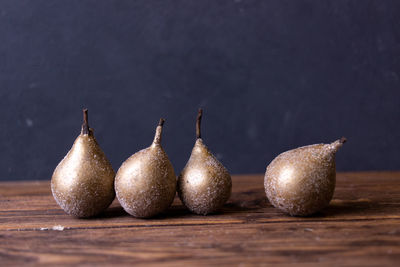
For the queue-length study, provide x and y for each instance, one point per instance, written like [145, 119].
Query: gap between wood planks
[64, 228]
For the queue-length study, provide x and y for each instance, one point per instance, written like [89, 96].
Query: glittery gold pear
[204, 184]
[83, 182]
[302, 181]
[146, 183]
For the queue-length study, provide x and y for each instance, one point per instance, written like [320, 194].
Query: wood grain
[361, 227]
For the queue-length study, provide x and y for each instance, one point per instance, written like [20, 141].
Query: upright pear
[204, 185]
[146, 183]
[83, 182]
[302, 181]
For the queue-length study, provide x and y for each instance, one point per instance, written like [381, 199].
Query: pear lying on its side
[83, 182]
[302, 181]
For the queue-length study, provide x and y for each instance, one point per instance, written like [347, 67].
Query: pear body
[83, 182]
[145, 183]
[302, 181]
[204, 185]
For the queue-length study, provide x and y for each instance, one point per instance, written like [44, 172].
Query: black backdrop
[270, 75]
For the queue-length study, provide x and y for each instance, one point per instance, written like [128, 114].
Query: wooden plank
[360, 227]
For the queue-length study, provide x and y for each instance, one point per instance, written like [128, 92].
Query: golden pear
[146, 183]
[204, 185]
[302, 181]
[83, 182]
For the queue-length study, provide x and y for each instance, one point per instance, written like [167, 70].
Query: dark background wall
[270, 75]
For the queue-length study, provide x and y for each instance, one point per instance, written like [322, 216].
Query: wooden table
[360, 227]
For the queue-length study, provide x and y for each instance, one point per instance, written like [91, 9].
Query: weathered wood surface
[361, 227]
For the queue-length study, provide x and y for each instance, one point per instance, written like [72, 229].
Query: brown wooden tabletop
[360, 227]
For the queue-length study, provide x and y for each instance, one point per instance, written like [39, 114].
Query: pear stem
[157, 137]
[85, 125]
[338, 144]
[198, 123]
[161, 122]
